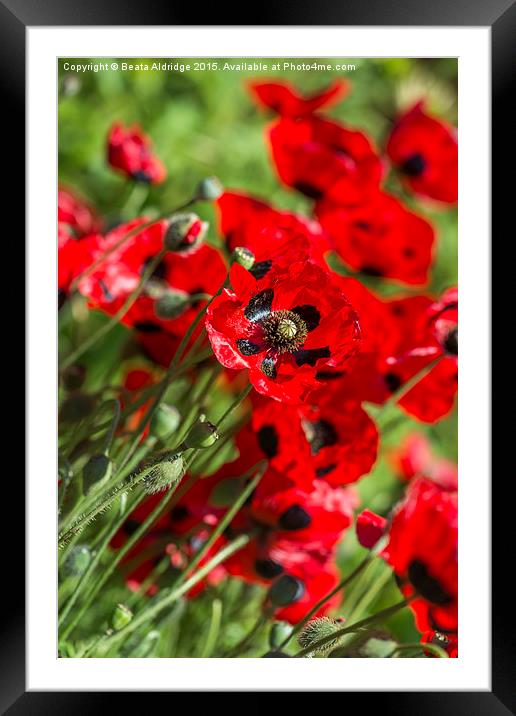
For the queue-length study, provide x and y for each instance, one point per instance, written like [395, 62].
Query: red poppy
[380, 237]
[185, 278]
[422, 550]
[314, 582]
[129, 151]
[370, 528]
[425, 151]
[284, 328]
[415, 459]
[79, 217]
[283, 99]
[269, 233]
[336, 441]
[321, 158]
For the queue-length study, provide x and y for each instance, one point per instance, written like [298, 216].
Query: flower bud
[77, 561]
[370, 528]
[165, 421]
[171, 304]
[317, 629]
[202, 435]
[73, 376]
[278, 633]
[164, 474]
[244, 257]
[286, 590]
[209, 189]
[97, 470]
[185, 232]
[121, 617]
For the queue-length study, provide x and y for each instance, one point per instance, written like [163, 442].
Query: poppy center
[285, 331]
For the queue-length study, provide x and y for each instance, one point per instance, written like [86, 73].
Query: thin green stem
[417, 646]
[113, 426]
[113, 321]
[362, 624]
[213, 631]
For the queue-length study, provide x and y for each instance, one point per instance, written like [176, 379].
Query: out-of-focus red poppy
[130, 152]
[425, 151]
[283, 99]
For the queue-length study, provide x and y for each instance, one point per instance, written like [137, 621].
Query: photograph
[257, 310]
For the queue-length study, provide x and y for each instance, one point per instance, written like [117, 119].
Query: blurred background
[205, 123]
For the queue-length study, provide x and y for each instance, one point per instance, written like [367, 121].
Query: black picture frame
[500, 15]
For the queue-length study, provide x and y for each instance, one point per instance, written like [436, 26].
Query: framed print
[249, 386]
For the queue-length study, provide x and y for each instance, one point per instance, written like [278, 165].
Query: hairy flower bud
[286, 590]
[317, 629]
[202, 435]
[164, 474]
[244, 257]
[171, 304]
[121, 617]
[77, 561]
[165, 421]
[185, 232]
[209, 189]
[278, 633]
[97, 470]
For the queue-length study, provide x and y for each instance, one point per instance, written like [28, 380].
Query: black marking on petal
[259, 306]
[268, 568]
[371, 270]
[321, 434]
[130, 527]
[308, 190]
[141, 176]
[309, 314]
[329, 375]
[311, 356]
[248, 348]
[268, 440]
[414, 165]
[451, 342]
[159, 272]
[179, 513]
[268, 367]
[427, 586]
[261, 269]
[294, 518]
[147, 327]
[392, 381]
[323, 471]
[61, 298]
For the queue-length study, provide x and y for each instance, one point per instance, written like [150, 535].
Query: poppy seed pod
[171, 304]
[286, 590]
[165, 421]
[97, 470]
[184, 232]
[209, 189]
[242, 256]
[164, 474]
[121, 617]
[318, 629]
[202, 435]
[77, 561]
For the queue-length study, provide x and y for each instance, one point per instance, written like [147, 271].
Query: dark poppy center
[285, 331]
[320, 434]
[294, 518]
[427, 586]
[414, 165]
[451, 343]
[268, 568]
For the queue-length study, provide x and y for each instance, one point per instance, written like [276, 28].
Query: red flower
[184, 277]
[380, 237]
[129, 151]
[270, 234]
[370, 528]
[285, 101]
[336, 441]
[422, 550]
[415, 459]
[321, 158]
[425, 151]
[79, 217]
[284, 328]
[314, 581]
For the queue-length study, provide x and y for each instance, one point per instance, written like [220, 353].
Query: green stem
[113, 321]
[113, 426]
[298, 627]
[384, 614]
[213, 631]
[168, 598]
[432, 648]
